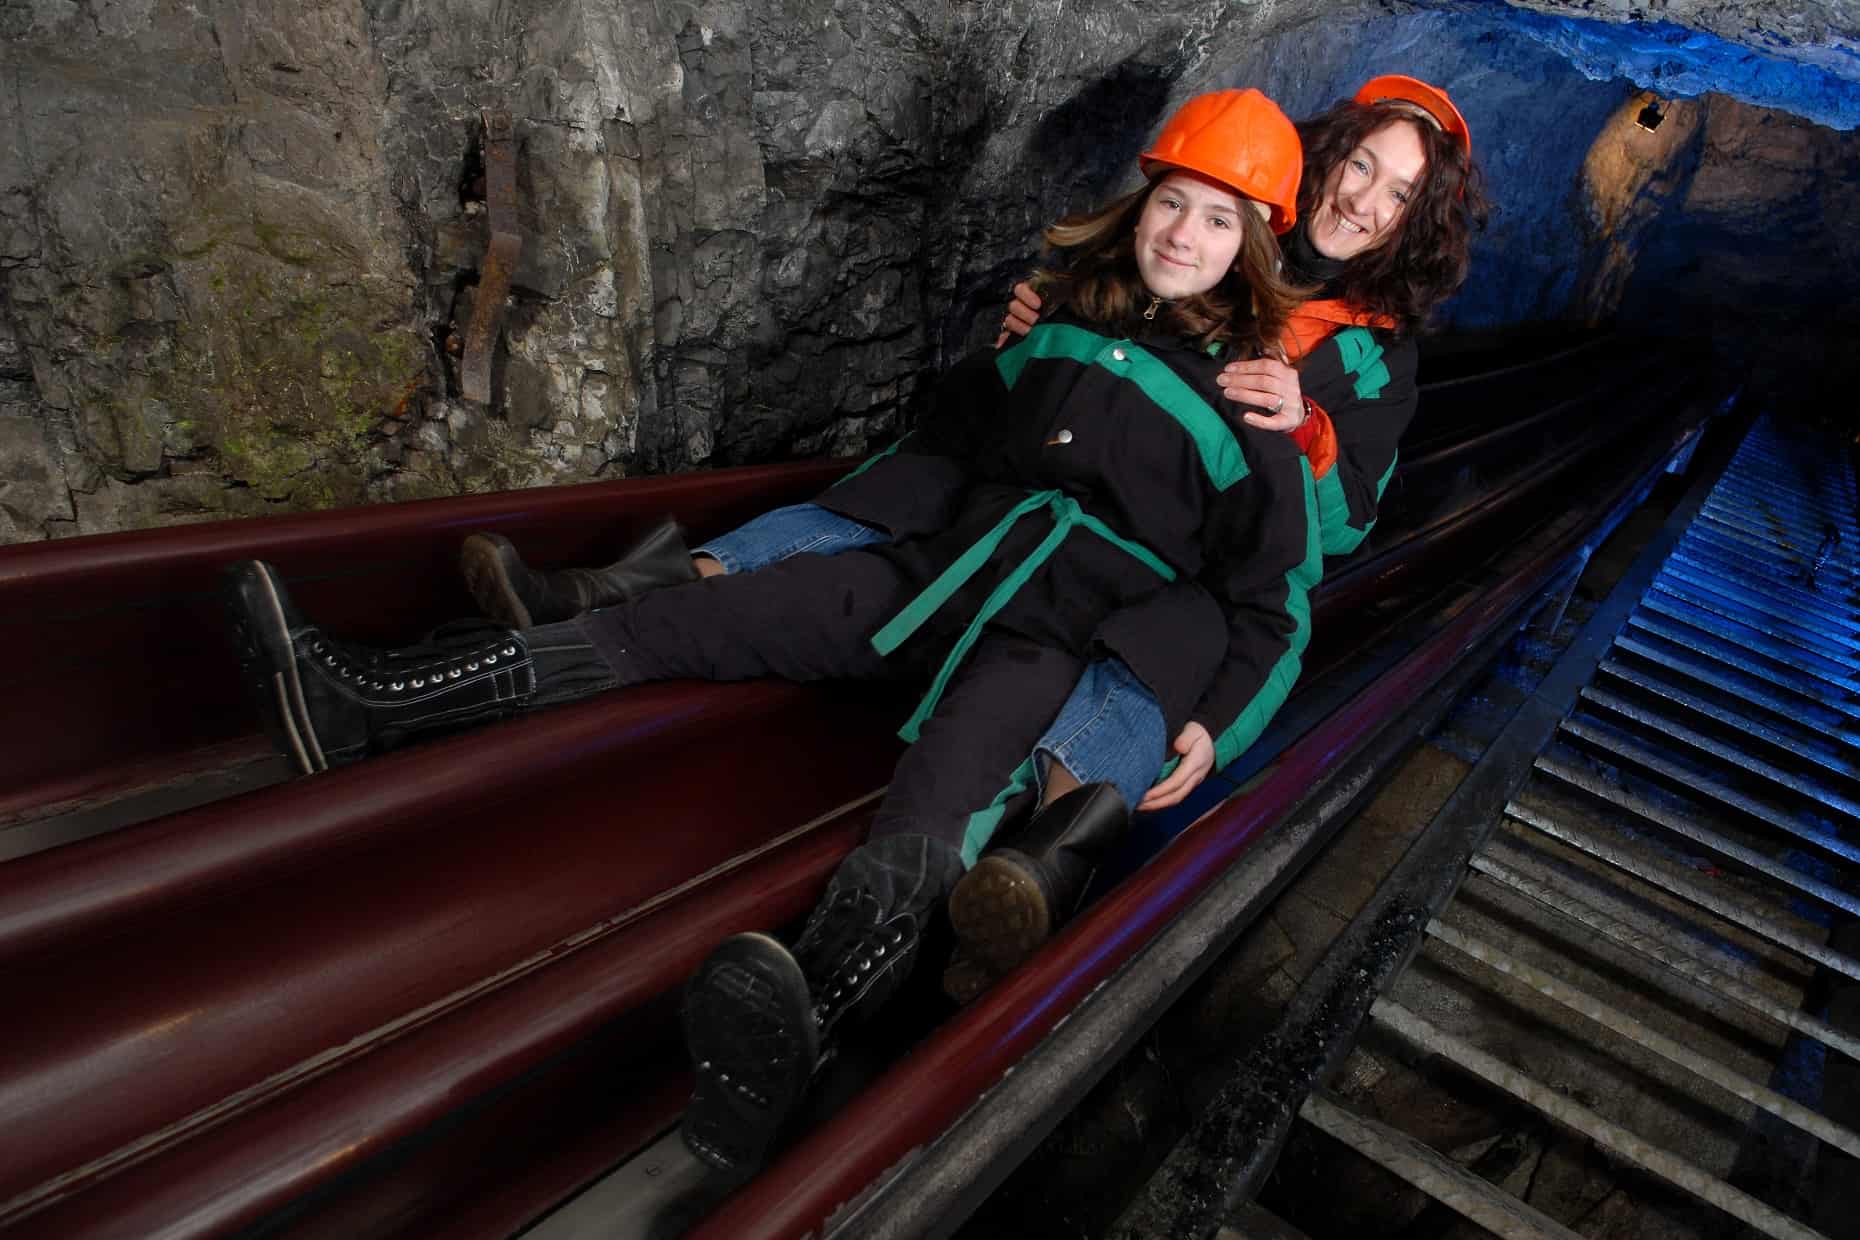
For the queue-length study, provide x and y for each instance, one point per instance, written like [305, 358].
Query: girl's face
[1367, 193]
[1189, 235]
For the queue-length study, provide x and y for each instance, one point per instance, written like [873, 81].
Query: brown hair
[1426, 260]
[1246, 312]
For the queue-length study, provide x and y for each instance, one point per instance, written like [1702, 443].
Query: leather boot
[514, 594]
[1015, 897]
[760, 1019]
[327, 702]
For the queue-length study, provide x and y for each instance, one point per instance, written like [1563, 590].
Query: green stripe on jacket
[1214, 440]
[1300, 580]
[1362, 360]
[1339, 536]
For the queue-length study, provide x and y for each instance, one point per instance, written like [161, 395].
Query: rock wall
[1758, 252]
[239, 242]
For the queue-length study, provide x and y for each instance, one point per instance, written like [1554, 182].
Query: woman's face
[1365, 195]
[1188, 235]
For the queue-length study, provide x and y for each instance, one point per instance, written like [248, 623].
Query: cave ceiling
[1802, 57]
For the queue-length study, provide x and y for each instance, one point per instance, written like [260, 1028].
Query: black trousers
[811, 618]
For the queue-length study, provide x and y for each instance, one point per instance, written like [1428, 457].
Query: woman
[1103, 505]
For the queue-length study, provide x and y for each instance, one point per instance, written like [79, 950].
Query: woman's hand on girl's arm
[1196, 748]
[1022, 313]
[1270, 385]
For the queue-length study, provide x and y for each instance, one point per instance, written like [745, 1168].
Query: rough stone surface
[1761, 241]
[239, 242]
[1807, 55]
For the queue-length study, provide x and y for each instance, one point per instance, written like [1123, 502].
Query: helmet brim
[1399, 88]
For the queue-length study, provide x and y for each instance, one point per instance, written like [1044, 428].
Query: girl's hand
[1271, 385]
[1022, 313]
[1197, 750]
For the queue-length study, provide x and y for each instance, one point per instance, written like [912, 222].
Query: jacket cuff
[1317, 439]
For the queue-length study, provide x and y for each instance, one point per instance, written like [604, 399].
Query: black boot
[327, 702]
[514, 594]
[760, 1019]
[1016, 897]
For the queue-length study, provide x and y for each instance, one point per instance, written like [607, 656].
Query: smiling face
[1367, 192]
[1189, 235]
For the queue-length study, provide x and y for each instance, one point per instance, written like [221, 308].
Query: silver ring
[1278, 404]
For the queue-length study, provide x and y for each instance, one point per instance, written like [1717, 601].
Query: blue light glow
[1677, 62]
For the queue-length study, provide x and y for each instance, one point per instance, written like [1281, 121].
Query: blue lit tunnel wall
[1738, 216]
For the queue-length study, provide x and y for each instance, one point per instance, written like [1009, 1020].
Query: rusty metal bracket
[500, 256]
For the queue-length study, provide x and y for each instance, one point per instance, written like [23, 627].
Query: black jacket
[1126, 438]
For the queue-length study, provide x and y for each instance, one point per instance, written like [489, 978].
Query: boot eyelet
[329, 660]
[455, 673]
[878, 953]
[510, 651]
[374, 684]
[897, 937]
[418, 683]
[489, 659]
[398, 685]
[471, 667]
[317, 647]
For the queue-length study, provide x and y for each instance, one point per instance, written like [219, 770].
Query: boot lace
[845, 945]
[449, 653]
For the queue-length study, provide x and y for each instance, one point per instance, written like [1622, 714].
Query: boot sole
[999, 913]
[269, 663]
[749, 1028]
[487, 576]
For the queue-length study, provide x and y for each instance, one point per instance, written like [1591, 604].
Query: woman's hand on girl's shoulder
[1271, 386]
[1022, 313]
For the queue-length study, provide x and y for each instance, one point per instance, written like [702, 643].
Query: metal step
[1636, 943]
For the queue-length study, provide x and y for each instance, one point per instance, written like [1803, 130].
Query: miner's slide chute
[434, 993]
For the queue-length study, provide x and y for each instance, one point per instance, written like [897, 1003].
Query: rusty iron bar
[1624, 748]
[1647, 1038]
[1439, 1177]
[1726, 755]
[1695, 893]
[1683, 824]
[500, 256]
[1606, 1134]
[1750, 723]
[1673, 960]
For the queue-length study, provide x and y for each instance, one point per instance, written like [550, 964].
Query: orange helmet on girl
[1239, 139]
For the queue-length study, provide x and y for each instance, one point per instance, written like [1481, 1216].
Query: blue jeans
[776, 535]
[1110, 730]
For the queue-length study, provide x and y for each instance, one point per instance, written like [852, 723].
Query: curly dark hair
[1247, 311]
[1426, 260]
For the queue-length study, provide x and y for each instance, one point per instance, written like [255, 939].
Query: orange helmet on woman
[1399, 88]
[1237, 138]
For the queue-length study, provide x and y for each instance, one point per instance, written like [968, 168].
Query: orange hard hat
[1237, 138]
[1430, 99]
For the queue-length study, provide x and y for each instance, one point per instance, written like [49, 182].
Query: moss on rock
[287, 382]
